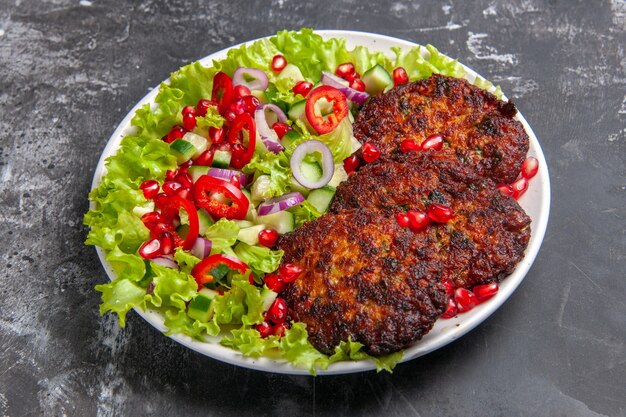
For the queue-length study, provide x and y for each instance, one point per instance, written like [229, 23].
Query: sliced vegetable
[220, 198]
[166, 262]
[268, 135]
[242, 128]
[359, 97]
[321, 198]
[222, 92]
[276, 204]
[282, 222]
[325, 118]
[222, 158]
[377, 80]
[253, 78]
[215, 268]
[202, 248]
[320, 154]
[171, 208]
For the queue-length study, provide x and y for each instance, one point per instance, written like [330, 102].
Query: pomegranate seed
[150, 188]
[350, 164]
[303, 88]
[403, 219]
[439, 213]
[205, 159]
[289, 272]
[170, 187]
[409, 145]
[274, 282]
[185, 192]
[176, 132]
[400, 76]
[189, 121]
[530, 167]
[417, 219]
[277, 313]
[519, 187]
[451, 310]
[170, 175]
[151, 219]
[158, 229]
[268, 237]
[216, 135]
[167, 243]
[203, 106]
[281, 128]
[450, 287]
[345, 70]
[265, 329]
[184, 179]
[485, 291]
[465, 299]
[150, 249]
[357, 85]
[185, 166]
[160, 200]
[370, 152]
[279, 329]
[278, 63]
[433, 142]
[238, 106]
[230, 116]
[352, 77]
[506, 189]
[251, 103]
[241, 91]
[189, 110]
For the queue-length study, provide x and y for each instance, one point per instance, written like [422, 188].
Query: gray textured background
[70, 71]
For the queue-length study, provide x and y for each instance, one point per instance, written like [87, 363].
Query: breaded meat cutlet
[477, 128]
[364, 278]
[484, 240]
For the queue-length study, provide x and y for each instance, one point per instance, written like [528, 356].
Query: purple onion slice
[359, 97]
[276, 204]
[202, 248]
[166, 262]
[259, 80]
[268, 135]
[327, 162]
[228, 174]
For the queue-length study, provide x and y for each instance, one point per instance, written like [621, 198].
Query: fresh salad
[227, 159]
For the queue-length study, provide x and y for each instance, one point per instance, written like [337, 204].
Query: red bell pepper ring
[242, 154]
[204, 190]
[171, 208]
[326, 123]
[222, 92]
[206, 271]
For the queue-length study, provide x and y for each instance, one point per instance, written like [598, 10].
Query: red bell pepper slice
[222, 92]
[210, 268]
[241, 153]
[204, 190]
[171, 208]
[324, 123]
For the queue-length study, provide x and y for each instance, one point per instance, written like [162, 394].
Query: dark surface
[70, 71]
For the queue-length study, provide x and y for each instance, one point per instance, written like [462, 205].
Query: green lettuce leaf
[259, 258]
[352, 351]
[276, 166]
[222, 235]
[297, 349]
[185, 260]
[172, 288]
[304, 212]
[211, 119]
[250, 343]
[119, 296]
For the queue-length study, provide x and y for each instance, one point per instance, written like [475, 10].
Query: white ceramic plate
[536, 202]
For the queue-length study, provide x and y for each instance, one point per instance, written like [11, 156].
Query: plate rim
[469, 320]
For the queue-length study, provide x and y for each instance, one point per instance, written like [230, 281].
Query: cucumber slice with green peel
[321, 198]
[282, 222]
[204, 221]
[196, 171]
[183, 150]
[199, 142]
[200, 307]
[221, 159]
[297, 111]
[291, 71]
[376, 80]
[250, 235]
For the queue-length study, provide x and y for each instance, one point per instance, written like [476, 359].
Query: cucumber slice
[376, 80]
[139, 211]
[196, 171]
[321, 198]
[200, 307]
[291, 71]
[250, 235]
[312, 171]
[243, 223]
[221, 159]
[297, 111]
[204, 221]
[268, 297]
[296, 186]
[183, 150]
[282, 222]
[199, 142]
[291, 137]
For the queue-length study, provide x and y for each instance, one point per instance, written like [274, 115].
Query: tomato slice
[242, 153]
[212, 194]
[170, 209]
[215, 267]
[222, 92]
[339, 104]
